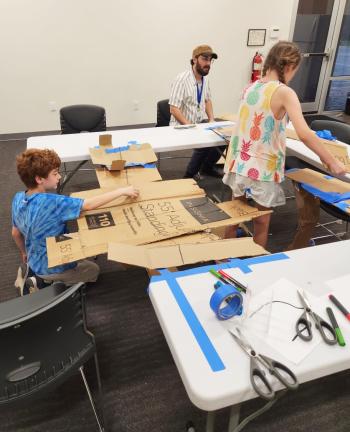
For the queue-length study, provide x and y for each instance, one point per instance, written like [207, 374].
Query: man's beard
[202, 71]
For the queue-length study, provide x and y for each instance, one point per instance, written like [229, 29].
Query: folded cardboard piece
[145, 222]
[338, 150]
[115, 158]
[129, 176]
[149, 191]
[323, 183]
[161, 256]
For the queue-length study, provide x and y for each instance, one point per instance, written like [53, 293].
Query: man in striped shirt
[190, 102]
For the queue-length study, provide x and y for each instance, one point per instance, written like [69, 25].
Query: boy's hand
[130, 191]
[336, 167]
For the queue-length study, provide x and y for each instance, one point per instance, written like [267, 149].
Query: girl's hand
[336, 167]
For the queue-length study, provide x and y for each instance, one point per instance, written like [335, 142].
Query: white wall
[113, 52]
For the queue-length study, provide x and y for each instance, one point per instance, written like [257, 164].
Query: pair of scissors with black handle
[304, 326]
[258, 375]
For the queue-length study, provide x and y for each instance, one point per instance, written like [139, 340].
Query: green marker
[223, 279]
[335, 325]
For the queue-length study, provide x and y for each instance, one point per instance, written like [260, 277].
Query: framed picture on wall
[256, 37]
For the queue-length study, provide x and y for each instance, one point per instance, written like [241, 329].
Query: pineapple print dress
[256, 155]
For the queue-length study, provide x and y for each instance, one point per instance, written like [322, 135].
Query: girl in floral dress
[257, 152]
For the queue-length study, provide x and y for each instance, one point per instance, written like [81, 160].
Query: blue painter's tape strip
[116, 149]
[133, 164]
[208, 349]
[342, 206]
[329, 197]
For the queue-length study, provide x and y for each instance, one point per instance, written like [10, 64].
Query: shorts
[267, 194]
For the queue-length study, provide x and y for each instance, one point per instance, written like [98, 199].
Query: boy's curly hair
[35, 162]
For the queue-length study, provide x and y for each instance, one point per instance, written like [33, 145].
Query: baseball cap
[204, 49]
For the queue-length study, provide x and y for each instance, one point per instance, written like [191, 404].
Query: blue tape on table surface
[203, 340]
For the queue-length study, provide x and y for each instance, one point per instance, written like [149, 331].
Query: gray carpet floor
[142, 388]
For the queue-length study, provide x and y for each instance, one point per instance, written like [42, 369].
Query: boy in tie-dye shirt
[38, 213]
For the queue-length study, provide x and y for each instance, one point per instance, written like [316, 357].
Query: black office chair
[342, 132]
[82, 118]
[77, 119]
[163, 113]
[44, 340]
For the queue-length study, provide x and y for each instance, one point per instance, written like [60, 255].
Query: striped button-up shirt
[184, 96]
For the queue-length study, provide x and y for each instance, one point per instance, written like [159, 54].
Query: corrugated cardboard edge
[182, 254]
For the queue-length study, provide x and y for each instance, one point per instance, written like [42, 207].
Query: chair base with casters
[44, 341]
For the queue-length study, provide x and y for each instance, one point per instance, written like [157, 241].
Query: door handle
[316, 54]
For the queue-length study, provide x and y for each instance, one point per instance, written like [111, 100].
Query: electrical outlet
[52, 106]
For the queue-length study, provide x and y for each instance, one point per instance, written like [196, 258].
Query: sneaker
[22, 274]
[33, 284]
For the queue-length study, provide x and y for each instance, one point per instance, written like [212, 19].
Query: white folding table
[75, 147]
[213, 368]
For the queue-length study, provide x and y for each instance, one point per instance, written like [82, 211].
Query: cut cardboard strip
[105, 140]
[142, 153]
[130, 176]
[338, 150]
[181, 254]
[68, 247]
[149, 191]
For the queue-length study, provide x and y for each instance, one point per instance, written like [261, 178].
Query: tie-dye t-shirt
[258, 145]
[42, 215]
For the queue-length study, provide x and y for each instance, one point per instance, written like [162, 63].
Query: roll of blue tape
[226, 301]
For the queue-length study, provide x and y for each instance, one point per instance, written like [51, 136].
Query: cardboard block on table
[322, 182]
[129, 176]
[338, 150]
[146, 222]
[142, 153]
[149, 191]
[181, 254]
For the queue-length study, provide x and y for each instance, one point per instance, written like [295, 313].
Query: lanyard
[199, 93]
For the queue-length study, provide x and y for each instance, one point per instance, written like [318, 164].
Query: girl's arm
[292, 106]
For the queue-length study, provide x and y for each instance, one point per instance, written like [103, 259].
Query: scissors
[303, 325]
[258, 376]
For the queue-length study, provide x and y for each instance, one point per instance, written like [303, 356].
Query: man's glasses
[206, 58]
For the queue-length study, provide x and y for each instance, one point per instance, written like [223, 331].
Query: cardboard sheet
[322, 182]
[157, 256]
[338, 150]
[149, 191]
[129, 176]
[115, 161]
[145, 222]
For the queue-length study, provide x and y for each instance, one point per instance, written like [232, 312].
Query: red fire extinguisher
[257, 67]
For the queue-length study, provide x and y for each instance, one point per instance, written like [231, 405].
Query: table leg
[210, 421]
[234, 417]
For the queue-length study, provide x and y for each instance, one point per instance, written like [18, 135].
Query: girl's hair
[34, 162]
[282, 54]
